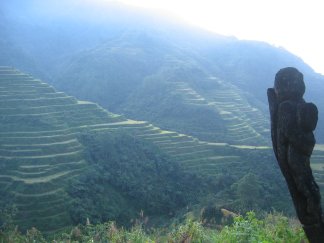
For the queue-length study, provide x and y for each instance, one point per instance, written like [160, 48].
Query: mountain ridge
[108, 59]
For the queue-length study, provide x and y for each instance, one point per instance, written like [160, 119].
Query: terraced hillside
[40, 150]
[209, 109]
[243, 123]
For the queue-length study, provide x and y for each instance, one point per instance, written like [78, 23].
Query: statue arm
[272, 99]
[273, 108]
[299, 139]
[304, 142]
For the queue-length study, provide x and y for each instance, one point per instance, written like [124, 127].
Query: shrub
[273, 229]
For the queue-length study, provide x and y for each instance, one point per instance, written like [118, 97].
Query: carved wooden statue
[292, 124]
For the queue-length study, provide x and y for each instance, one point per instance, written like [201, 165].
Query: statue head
[289, 84]
[307, 116]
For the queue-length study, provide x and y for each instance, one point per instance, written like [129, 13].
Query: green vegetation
[144, 177]
[65, 161]
[272, 228]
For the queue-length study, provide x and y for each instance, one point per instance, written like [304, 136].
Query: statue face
[289, 84]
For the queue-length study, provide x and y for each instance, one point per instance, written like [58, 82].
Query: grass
[271, 228]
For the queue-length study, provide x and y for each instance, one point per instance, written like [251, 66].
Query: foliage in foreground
[272, 228]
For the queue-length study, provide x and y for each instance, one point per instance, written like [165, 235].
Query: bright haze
[293, 25]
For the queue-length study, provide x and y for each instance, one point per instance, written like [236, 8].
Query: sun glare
[293, 25]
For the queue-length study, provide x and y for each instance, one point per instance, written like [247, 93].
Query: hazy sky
[296, 25]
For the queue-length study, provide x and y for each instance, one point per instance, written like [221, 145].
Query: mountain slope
[122, 58]
[166, 87]
[65, 160]
[40, 152]
[42, 156]
[201, 91]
